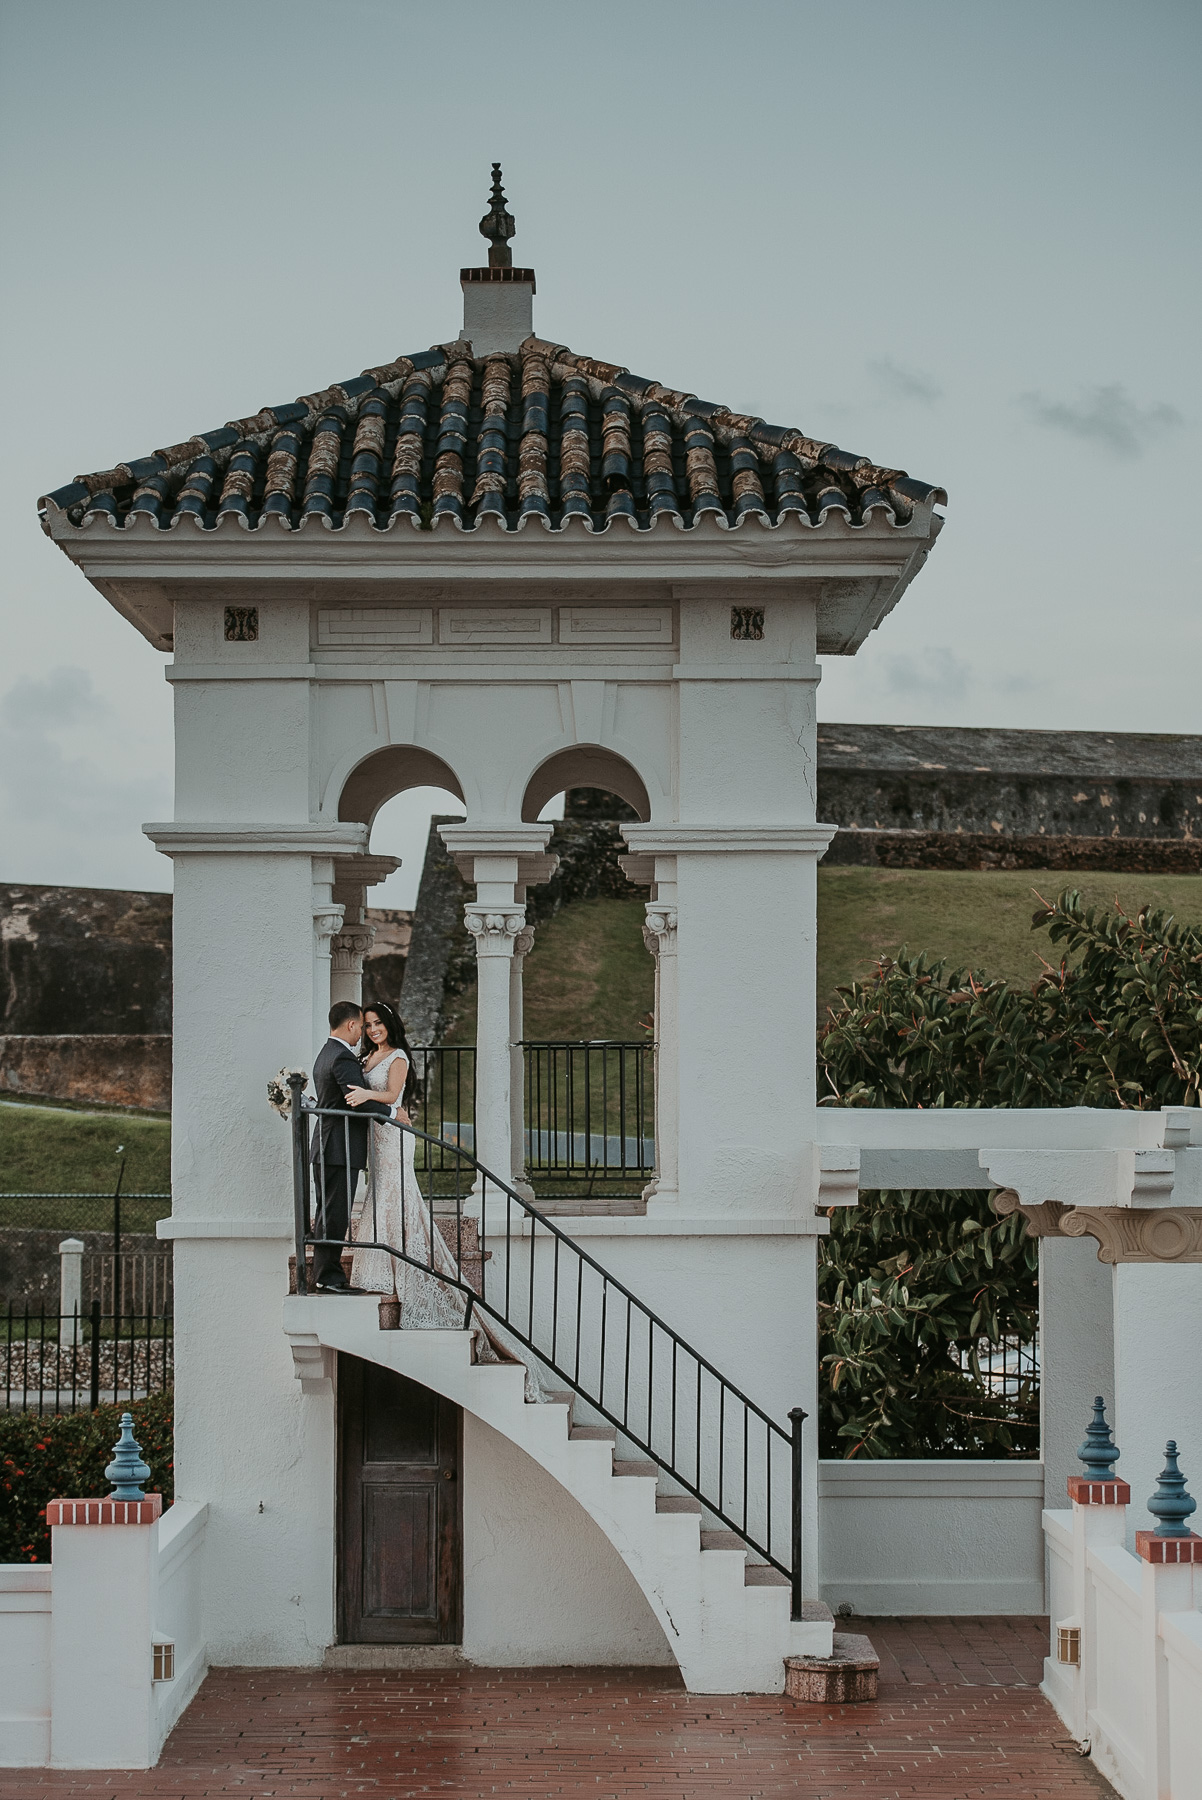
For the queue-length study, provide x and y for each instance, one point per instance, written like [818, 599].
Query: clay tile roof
[540, 433]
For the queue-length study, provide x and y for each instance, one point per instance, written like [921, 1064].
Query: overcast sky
[958, 238]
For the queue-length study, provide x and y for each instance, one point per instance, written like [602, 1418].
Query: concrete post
[70, 1280]
[1099, 1521]
[523, 943]
[103, 1553]
[1171, 1582]
[494, 928]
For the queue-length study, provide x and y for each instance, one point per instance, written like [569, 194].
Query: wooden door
[400, 1516]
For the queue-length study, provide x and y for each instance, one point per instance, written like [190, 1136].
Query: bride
[395, 1211]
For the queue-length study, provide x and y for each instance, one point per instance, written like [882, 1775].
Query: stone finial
[127, 1471]
[498, 224]
[1170, 1504]
[1099, 1452]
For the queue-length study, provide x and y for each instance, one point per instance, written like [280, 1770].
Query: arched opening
[585, 766]
[386, 773]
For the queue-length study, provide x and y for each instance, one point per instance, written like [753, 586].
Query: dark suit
[339, 1149]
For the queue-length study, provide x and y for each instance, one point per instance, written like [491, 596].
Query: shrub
[907, 1281]
[63, 1456]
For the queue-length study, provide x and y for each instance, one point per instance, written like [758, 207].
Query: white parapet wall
[1125, 1666]
[945, 1537]
[102, 1649]
[25, 1599]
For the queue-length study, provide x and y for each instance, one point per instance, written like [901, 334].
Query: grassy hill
[47, 1149]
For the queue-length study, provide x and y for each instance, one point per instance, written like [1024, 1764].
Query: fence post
[95, 1394]
[300, 1198]
[796, 1418]
[70, 1278]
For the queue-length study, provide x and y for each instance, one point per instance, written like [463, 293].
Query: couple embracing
[365, 1069]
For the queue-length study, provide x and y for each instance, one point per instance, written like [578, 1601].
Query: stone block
[845, 1678]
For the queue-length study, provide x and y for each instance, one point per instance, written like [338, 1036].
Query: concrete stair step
[636, 1468]
[676, 1503]
[763, 1575]
[721, 1540]
[595, 1434]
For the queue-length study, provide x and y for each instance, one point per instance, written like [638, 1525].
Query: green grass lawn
[47, 1150]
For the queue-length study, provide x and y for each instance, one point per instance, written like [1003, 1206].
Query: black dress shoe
[338, 1287]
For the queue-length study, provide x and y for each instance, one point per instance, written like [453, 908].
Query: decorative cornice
[333, 839]
[679, 840]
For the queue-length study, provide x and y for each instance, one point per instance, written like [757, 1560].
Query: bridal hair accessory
[279, 1094]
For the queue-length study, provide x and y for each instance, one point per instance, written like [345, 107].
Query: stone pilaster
[494, 930]
[659, 935]
[523, 943]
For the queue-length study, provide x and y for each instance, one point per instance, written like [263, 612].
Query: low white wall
[179, 1609]
[542, 1584]
[25, 1599]
[1181, 1634]
[911, 1537]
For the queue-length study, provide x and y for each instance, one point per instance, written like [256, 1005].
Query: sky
[959, 238]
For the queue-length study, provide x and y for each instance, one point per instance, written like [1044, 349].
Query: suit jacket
[336, 1070]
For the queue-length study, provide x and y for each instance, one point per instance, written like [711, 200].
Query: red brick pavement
[958, 1719]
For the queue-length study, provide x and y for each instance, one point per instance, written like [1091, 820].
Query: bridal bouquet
[279, 1094]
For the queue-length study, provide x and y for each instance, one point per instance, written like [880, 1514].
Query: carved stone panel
[582, 625]
[518, 625]
[360, 627]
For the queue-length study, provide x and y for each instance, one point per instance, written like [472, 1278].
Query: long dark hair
[390, 1019]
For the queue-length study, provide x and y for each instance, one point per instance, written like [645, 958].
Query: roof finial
[498, 225]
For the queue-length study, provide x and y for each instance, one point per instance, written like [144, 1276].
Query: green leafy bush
[63, 1456]
[909, 1281]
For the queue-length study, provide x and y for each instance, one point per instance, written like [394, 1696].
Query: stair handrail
[787, 1441]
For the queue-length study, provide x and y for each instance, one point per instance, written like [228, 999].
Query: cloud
[935, 675]
[66, 697]
[904, 384]
[1108, 415]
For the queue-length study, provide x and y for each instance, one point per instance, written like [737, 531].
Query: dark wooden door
[400, 1517]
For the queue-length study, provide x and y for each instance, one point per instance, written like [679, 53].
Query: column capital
[495, 928]
[327, 922]
[659, 930]
[349, 948]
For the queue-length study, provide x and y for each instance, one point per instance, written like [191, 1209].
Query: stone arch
[585, 765]
[388, 772]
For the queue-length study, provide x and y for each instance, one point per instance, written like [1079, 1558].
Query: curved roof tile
[541, 432]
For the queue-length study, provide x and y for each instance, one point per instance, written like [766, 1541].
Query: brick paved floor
[959, 1718]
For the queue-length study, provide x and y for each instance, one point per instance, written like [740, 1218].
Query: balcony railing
[588, 1114]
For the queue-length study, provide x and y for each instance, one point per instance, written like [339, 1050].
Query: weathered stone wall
[126, 1070]
[93, 960]
[934, 797]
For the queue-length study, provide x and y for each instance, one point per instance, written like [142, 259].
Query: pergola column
[501, 861]
[523, 943]
[350, 947]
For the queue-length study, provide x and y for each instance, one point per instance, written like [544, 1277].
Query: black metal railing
[54, 1362]
[588, 1112]
[558, 1303]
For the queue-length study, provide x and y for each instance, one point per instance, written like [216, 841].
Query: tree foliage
[63, 1456]
[910, 1283]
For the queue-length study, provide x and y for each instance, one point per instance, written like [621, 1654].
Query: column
[659, 935]
[494, 929]
[523, 943]
[347, 953]
[327, 922]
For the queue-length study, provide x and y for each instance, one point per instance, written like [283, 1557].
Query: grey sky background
[959, 238]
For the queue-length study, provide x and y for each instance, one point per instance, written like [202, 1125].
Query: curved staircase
[726, 1617]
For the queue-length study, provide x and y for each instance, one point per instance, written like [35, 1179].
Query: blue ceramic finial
[1170, 1503]
[1099, 1452]
[127, 1471]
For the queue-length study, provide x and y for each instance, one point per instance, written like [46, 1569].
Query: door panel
[400, 1548]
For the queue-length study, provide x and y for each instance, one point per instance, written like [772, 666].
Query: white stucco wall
[1076, 1353]
[542, 1584]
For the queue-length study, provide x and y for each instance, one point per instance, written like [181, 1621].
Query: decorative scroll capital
[350, 947]
[1125, 1234]
[327, 922]
[659, 930]
[495, 929]
[523, 943]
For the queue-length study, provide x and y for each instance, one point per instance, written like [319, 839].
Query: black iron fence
[544, 1299]
[54, 1362]
[588, 1113]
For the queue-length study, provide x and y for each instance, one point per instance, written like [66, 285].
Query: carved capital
[1162, 1234]
[327, 922]
[495, 929]
[351, 946]
[1124, 1233]
[523, 943]
[659, 930]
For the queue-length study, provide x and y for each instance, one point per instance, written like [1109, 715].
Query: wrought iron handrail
[578, 1320]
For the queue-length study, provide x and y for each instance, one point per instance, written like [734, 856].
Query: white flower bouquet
[279, 1094]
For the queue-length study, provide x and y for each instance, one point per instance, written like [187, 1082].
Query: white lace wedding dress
[394, 1211]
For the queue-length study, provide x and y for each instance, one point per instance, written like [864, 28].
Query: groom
[340, 1146]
